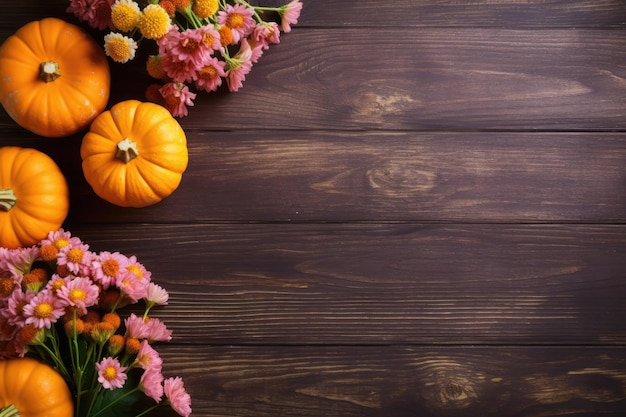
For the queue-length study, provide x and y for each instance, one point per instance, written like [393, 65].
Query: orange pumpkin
[34, 196]
[134, 154]
[54, 78]
[34, 388]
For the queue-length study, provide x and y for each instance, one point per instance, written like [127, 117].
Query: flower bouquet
[61, 304]
[199, 43]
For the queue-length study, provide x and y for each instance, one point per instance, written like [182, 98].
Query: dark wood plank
[388, 176]
[426, 79]
[504, 13]
[404, 13]
[402, 381]
[384, 283]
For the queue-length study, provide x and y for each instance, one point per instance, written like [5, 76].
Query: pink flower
[156, 295]
[151, 329]
[177, 97]
[151, 383]
[157, 331]
[148, 358]
[97, 13]
[266, 33]
[60, 239]
[131, 286]
[14, 309]
[77, 258]
[18, 261]
[138, 269]
[209, 77]
[194, 45]
[111, 374]
[108, 267]
[179, 399]
[80, 293]
[239, 66]
[43, 310]
[238, 18]
[289, 14]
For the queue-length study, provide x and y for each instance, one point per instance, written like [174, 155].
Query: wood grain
[384, 283]
[403, 381]
[412, 208]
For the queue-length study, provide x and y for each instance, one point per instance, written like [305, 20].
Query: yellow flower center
[110, 267]
[234, 20]
[77, 294]
[208, 39]
[118, 47]
[125, 16]
[75, 255]
[135, 270]
[109, 373]
[208, 72]
[60, 243]
[43, 310]
[153, 22]
[205, 8]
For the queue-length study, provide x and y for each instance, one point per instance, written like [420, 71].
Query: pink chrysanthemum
[209, 77]
[138, 269]
[43, 310]
[179, 399]
[111, 374]
[151, 383]
[239, 66]
[131, 286]
[80, 293]
[13, 310]
[239, 18]
[19, 261]
[148, 358]
[77, 258]
[97, 13]
[177, 97]
[108, 267]
[266, 33]
[156, 295]
[151, 329]
[189, 45]
[289, 14]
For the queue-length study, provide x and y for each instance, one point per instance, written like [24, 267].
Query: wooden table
[411, 208]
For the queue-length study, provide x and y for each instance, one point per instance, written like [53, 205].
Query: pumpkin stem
[126, 150]
[7, 201]
[9, 411]
[49, 71]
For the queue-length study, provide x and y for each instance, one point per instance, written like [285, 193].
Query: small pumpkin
[34, 389]
[34, 196]
[134, 154]
[54, 78]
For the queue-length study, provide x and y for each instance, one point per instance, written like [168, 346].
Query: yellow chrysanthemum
[153, 22]
[125, 15]
[205, 8]
[119, 47]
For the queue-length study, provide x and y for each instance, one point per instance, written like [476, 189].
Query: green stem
[112, 403]
[9, 411]
[146, 411]
[7, 199]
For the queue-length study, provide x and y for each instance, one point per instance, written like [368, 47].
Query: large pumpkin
[34, 196]
[134, 154]
[54, 78]
[34, 388]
